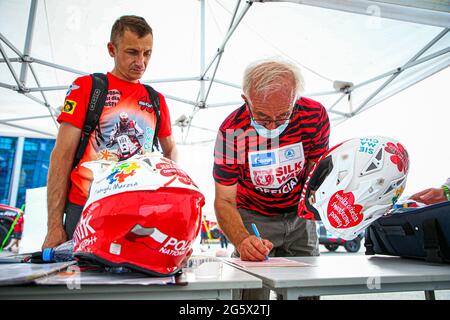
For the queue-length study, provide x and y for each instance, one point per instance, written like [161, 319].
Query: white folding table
[353, 274]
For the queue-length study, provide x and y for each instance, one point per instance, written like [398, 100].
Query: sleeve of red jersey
[321, 137]
[225, 170]
[76, 101]
[165, 126]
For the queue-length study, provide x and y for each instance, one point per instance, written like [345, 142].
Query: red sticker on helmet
[399, 156]
[342, 211]
[168, 168]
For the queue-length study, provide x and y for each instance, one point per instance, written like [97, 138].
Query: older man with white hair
[263, 153]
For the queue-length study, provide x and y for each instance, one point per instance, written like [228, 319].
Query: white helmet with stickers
[355, 183]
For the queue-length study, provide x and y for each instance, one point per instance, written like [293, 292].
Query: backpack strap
[154, 97]
[97, 100]
[431, 243]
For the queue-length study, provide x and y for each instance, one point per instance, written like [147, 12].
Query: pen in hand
[256, 232]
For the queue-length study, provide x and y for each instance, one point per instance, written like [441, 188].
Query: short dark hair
[135, 24]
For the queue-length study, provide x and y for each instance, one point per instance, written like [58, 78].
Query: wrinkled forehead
[277, 97]
[283, 87]
[132, 40]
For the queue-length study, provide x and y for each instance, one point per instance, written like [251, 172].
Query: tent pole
[213, 76]
[194, 111]
[228, 35]
[43, 96]
[337, 101]
[8, 86]
[236, 9]
[400, 69]
[224, 104]
[221, 54]
[227, 83]
[57, 66]
[11, 60]
[11, 46]
[26, 118]
[343, 114]
[429, 73]
[28, 41]
[34, 98]
[39, 89]
[202, 97]
[179, 99]
[205, 129]
[403, 68]
[315, 94]
[384, 75]
[197, 142]
[171, 80]
[202, 51]
[16, 78]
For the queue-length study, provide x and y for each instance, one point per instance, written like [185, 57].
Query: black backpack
[420, 233]
[97, 100]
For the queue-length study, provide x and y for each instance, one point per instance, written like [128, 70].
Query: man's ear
[111, 49]
[244, 98]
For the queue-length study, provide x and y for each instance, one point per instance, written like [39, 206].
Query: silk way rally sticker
[273, 169]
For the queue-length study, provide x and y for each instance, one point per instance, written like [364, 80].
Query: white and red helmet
[355, 183]
[143, 213]
[123, 117]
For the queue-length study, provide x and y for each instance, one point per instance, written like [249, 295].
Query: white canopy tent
[353, 54]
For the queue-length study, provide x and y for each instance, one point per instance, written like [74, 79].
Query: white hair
[264, 75]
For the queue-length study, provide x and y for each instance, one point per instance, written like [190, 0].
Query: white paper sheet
[271, 262]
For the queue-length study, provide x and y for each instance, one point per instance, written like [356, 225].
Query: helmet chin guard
[355, 183]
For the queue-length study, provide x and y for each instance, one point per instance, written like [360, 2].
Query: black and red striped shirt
[270, 173]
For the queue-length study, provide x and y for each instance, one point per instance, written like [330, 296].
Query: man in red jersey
[131, 46]
[263, 153]
[17, 235]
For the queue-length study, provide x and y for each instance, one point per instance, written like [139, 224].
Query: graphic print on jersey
[277, 168]
[125, 135]
[125, 128]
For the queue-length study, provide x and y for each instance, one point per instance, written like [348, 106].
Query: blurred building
[23, 165]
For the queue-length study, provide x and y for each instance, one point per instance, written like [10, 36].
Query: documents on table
[271, 262]
[104, 278]
[25, 273]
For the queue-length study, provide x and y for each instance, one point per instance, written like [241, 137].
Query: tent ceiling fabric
[379, 52]
[429, 12]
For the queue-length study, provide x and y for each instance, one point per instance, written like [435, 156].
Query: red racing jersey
[126, 126]
[270, 173]
[18, 227]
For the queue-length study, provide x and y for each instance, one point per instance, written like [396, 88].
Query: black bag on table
[422, 233]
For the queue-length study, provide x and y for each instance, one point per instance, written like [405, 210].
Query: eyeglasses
[266, 122]
[277, 122]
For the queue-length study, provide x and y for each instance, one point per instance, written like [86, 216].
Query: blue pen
[256, 232]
